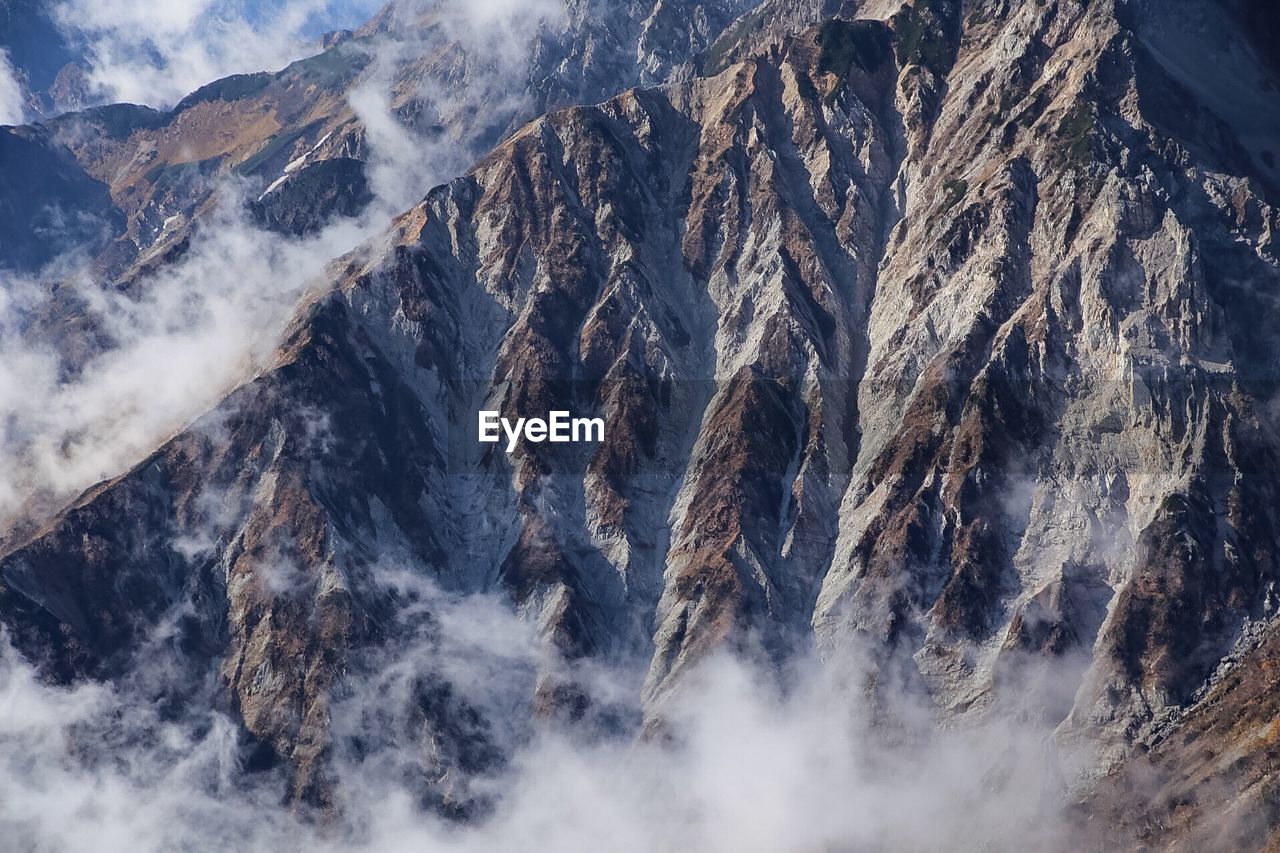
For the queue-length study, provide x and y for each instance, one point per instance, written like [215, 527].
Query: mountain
[441, 76]
[938, 329]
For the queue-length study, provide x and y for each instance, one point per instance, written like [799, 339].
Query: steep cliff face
[936, 328]
[1062, 399]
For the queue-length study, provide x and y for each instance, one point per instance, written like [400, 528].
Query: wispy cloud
[12, 103]
[748, 761]
[211, 319]
[151, 53]
[496, 37]
[196, 332]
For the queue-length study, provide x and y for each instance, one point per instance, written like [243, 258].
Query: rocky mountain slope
[939, 329]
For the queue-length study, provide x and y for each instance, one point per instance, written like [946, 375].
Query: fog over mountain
[934, 346]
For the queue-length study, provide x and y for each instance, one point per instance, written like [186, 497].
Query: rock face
[937, 327]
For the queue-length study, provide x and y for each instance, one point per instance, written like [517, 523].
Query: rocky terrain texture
[940, 328]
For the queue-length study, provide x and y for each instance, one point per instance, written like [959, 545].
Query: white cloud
[12, 103]
[203, 325]
[745, 764]
[496, 37]
[141, 51]
[209, 321]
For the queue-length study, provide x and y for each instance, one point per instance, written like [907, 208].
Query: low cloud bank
[745, 760]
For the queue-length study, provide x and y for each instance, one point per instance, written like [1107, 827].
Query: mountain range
[933, 341]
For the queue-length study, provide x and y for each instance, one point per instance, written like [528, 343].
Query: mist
[154, 54]
[12, 108]
[212, 319]
[741, 757]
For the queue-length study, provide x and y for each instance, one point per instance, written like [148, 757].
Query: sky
[328, 16]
